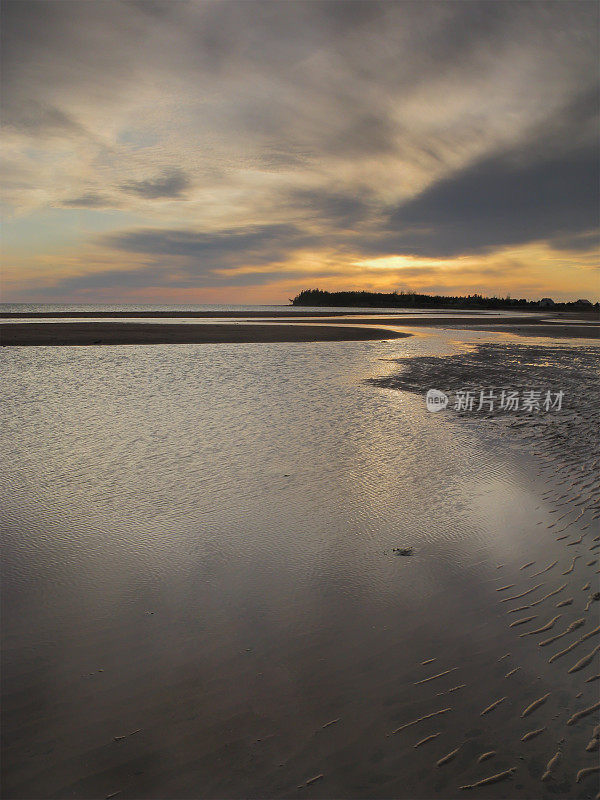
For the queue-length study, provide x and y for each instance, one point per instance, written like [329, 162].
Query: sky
[238, 152]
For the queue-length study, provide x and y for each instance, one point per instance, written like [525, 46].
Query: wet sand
[99, 333]
[298, 327]
[431, 696]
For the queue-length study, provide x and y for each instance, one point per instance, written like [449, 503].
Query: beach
[109, 328]
[203, 591]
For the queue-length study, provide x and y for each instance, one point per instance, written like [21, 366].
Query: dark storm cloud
[503, 200]
[170, 184]
[584, 242]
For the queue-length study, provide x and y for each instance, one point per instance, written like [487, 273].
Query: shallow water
[198, 548]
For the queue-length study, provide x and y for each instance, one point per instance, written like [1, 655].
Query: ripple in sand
[574, 645]
[583, 662]
[521, 621]
[420, 719]
[593, 743]
[592, 599]
[545, 627]
[572, 627]
[583, 713]
[550, 594]
[572, 567]
[491, 707]
[535, 705]
[427, 739]
[433, 677]
[551, 765]
[583, 773]
[532, 734]
[314, 779]
[448, 757]
[564, 603]
[499, 776]
[546, 569]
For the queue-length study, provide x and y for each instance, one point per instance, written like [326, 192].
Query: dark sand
[90, 333]
[298, 327]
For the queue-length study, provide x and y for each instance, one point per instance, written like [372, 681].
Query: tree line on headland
[319, 297]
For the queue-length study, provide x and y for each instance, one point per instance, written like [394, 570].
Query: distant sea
[23, 308]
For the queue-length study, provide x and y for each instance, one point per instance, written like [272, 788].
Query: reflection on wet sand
[196, 608]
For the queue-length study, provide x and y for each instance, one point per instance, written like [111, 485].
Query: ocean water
[48, 308]
[62, 307]
[199, 576]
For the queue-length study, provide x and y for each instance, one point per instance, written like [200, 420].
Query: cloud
[170, 184]
[267, 242]
[353, 129]
[337, 210]
[87, 200]
[503, 200]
